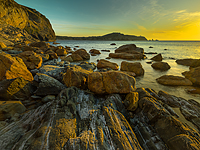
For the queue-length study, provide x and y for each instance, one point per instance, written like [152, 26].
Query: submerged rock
[193, 75]
[107, 64]
[173, 80]
[163, 66]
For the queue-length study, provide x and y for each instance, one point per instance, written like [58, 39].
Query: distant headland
[108, 37]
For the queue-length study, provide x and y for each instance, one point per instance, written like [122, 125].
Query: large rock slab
[173, 80]
[102, 63]
[193, 75]
[163, 66]
[111, 82]
[76, 76]
[189, 62]
[132, 67]
[13, 67]
[47, 85]
[9, 108]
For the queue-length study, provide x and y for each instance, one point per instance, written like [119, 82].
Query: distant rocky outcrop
[19, 23]
[108, 37]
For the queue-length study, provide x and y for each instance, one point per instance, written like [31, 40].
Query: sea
[170, 50]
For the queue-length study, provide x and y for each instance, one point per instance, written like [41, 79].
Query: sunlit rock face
[18, 22]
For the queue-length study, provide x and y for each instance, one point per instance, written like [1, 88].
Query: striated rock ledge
[19, 23]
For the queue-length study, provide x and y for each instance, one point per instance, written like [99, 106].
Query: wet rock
[193, 75]
[48, 98]
[112, 44]
[111, 82]
[9, 108]
[76, 57]
[157, 58]
[163, 66]
[105, 50]
[13, 67]
[15, 89]
[189, 62]
[94, 51]
[76, 76]
[83, 53]
[107, 64]
[2, 45]
[126, 56]
[150, 47]
[47, 85]
[173, 80]
[52, 54]
[132, 67]
[31, 59]
[144, 93]
[131, 101]
[129, 48]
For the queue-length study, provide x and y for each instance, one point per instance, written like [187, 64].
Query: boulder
[173, 80]
[193, 75]
[107, 64]
[31, 59]
[52, 54]
[76, 57]
[83, 53]
[126, 56]
[61, 52]
[163, 66]
[76, 76]
[157, 58]
[94, 51]
[13, 67]
[129, 48]
[15, 89]
[39, 44]
[110, 82]
[9, 108]
[132, 67]
[47, 85]
[88, 66]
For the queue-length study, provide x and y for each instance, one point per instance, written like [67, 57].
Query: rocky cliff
[18, 23]
[108, 37]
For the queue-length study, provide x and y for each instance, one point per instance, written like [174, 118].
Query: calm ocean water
[175, 50]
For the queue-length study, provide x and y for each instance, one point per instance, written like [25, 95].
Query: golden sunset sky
[154, 19]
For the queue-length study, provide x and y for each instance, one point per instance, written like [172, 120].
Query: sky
[154, 19]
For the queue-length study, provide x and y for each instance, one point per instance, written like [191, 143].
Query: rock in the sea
[61, 52]
[39, 44]
[189, 62]
[173, 80]
[15, 89]
[88, 66]
[13, 67]
[127, 56]
[76, 57]
[31, 59]
[193, 75]
[132, 67]
[76, 76]
[94, 51]
[9, 108]
[129, 48]
[157, 58]
[47, 85]
[107, 64]
[110, 82]
[83, 53]
[163, 66]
